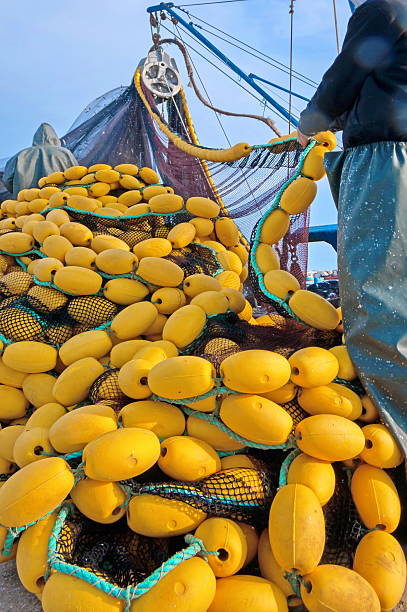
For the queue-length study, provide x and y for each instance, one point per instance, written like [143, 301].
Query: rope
[56, 563]
[248, 91]
[212, 183]
[276, 64]
[291, 64]
[256, 240]
[269, 122]
[285, 466]
[336, 26]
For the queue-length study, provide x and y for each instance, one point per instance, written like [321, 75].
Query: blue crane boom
[168, 7]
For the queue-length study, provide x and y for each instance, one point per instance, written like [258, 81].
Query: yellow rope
[216, 155]
[204, 164]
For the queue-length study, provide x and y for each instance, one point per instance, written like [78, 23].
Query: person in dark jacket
[46, 155]
[366, 88]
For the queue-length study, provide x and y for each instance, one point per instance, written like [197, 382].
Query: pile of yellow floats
[179, 415]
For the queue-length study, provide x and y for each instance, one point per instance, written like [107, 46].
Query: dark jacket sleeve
[368, 40]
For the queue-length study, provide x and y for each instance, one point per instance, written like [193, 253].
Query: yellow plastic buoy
[8, 438]
[187, 458]
[75, 429]
[181, 377]
[153, 247]
[316, 474]
[158, 517]
[133, 379]
[280, 283]
[263, 371]
[375, 498]
[329, 437]
[134, 320]
[381, 448]
[124, 351]
[297, 528]
[164, 419]
[347, 370]
[252, 541]
[32, 554]
[202, 207]
[237, 461]
[125, 291]
[73, 384]
[31, 446]
[121, 454]
[30, 357]
[226, 538]
[275, 226]
[314, 310]
[103, 502]
[298, 196]
[333, 587]
[198, 283]
[267, 258]
[77, 595]
[283, 395]
[34, 491]
[256, 418]
[95, 343]
[313, 366]
[13, 403]
[190, 586]
[380, 559]
[369, 411]
[245, 593]
[45, 416]
[211, 434]
[208, 404]
[37, 388]
[211, 302]
[168, 299]
[331, 399]
[185, 325]
[270, 569]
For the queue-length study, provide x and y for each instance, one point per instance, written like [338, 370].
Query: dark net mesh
[193, 259]
[343, 527]
[124, 131]
[113, 552]
[242, 494]
[225, 335]
[106, 388]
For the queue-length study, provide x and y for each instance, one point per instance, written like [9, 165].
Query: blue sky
[60, 56]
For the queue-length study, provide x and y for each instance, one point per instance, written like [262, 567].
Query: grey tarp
[369, 185]
[44, 157]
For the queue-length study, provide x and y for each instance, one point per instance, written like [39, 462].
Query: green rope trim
[275, 204]
[53, 286]
[217, 390]
[295, 580]
[14, 532]
[56, 563]
[285, 466]
[30, 252]
[270, 145]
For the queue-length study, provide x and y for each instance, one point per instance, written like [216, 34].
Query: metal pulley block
[160, 74]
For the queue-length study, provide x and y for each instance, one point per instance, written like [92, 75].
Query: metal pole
[168, 8]
[254, 76]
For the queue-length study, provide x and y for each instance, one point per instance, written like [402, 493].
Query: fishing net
[242, 494]
[124, 130]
